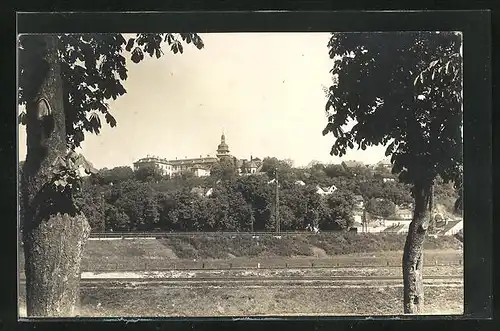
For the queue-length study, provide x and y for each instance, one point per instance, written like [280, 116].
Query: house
[177, 166]
[252, 167]
[299, 182]
[404, 213]
[325, 190]
[384, 163]
[358, 217]
[351, 164]
[200, 171]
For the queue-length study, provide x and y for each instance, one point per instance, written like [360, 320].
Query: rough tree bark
[413, 258]
[54, 232]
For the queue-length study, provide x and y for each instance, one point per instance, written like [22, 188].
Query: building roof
[186, 161]
[395, 228]
[449, 226]
[252, 164]
[223, 148]
[325, 190]
[353, 164]
[198, 160]
[385, 161]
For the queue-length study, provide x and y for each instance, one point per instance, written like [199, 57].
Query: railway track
[189, 234]
[187, 280]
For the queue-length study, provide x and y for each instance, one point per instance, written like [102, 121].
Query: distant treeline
[120, 199]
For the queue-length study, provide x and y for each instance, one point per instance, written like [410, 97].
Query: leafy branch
[66, 171]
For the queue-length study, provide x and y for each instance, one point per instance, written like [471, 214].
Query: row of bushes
[219, 246]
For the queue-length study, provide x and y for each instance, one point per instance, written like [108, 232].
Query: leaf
[390, 148]
[89, 168]
[122, 72]
[137, 55]
[158, 53]
[73, 155]
[79, 161]
[180, 48]
[169, 38]
[58, 161]
[61, 182]
[328, 105]
[70, 164]
[110, 120]
[78, 136]
[130, 44]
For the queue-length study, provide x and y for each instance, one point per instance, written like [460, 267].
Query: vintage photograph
[240, 174]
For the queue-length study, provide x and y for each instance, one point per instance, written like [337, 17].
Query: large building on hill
[200, 166]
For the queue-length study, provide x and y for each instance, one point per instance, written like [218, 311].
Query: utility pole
[277, 204]
[103, 218]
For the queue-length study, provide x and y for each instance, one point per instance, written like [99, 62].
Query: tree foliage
[416, 112]
[93, 68]
[116, 175]
[380, 207]
[245, 203]
[181, 204]
[271, 165]
[148, 173]
[225, 169]
[402, 91]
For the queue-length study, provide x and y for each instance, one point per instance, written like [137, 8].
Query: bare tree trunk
[413, 251]
[54, 232]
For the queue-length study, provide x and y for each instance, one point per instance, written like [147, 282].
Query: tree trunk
[54, 232]
[413, 251]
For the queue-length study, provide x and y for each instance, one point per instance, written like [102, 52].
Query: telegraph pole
[277, 204]
[103, 217]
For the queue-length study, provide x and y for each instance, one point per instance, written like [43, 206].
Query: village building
[384, 163]
[325, 190]
[199, 166]
[351, 164]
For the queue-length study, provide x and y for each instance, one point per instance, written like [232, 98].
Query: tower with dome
[223, 148]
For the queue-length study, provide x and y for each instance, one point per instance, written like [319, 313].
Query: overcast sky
[263, 89]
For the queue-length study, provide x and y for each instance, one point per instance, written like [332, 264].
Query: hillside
[225, 251]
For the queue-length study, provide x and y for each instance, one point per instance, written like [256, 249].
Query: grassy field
[219, 298]
[347, 254]
[269, 300]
